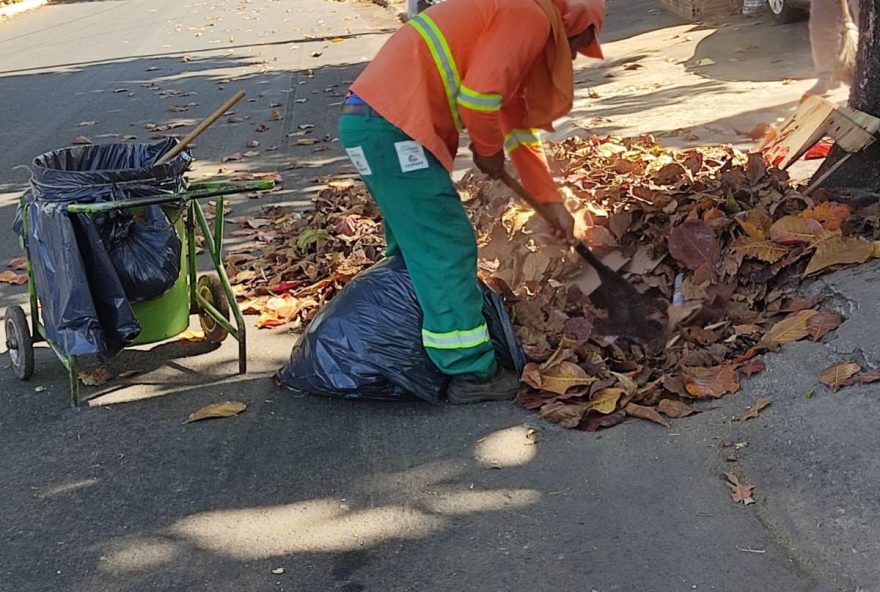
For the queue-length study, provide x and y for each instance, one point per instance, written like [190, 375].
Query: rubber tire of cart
[17, 326]
[788, 13]
[211, 290]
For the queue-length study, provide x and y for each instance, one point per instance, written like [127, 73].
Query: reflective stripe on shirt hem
[456, 339]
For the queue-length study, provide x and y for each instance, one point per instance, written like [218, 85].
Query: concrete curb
[13, 9]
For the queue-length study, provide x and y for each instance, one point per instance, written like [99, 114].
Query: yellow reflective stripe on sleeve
[456, 339]
[439, 49]
[522, 137]
[478, 101]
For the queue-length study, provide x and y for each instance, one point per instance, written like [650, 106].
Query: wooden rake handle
[187, 140]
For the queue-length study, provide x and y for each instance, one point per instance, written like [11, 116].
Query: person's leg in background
[424, 216]
[826, 27]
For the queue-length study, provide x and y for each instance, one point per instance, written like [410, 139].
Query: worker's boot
[467, 388]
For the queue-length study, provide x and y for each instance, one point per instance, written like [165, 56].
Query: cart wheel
[19, 342]
[210, 289]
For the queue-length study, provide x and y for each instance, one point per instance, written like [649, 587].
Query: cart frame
[198, 303]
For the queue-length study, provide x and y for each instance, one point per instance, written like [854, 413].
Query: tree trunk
[862, 170]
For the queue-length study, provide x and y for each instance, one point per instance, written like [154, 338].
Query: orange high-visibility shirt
[462, 64]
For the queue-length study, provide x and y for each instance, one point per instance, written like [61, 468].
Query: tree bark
[862, 170]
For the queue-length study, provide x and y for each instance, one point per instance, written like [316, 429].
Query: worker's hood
[550, 83]
[577, 15]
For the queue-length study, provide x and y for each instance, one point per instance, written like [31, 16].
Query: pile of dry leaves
[715, 233]
[295, 262]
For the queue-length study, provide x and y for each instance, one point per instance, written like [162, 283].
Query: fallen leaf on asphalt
[81, 140]
[152, 69]
[253, 143]
[752, 367]
[594, 420]
[839, 251]
[95, 376]
[706, 62]
[251, 153]
[261, 127]
[869, 376]
[557, 378]
[740, 492]
[191, 336]
[753, 411]
[643, 412]
[85, 123]
[568, 416]
[713, 382]
[823, 323]
[185, 59]
[10, 277]
[276, 116]
[17, 263]
[232, 157]
[791, 328]
[675, 409]
[839, 375]
[214, 410]
[635, 66]
[305, 142]
[278, 571]
[316, 54]
[605, 401]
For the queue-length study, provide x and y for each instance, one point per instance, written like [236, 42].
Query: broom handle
[187, 140]
[844, 8]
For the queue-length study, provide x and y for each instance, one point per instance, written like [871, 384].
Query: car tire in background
[784, 11]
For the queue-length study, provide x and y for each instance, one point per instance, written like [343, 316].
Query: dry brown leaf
[693, 244]
[868, 376]
[823, 323]
[10, 277]
[568, 416]
[714, 382]
[191, 336]
[81, 140]
[795, 230]
[95, 376]
[675, 409]
[839, 375]
[740, 491]
[830, 214]
[604, 401]
[754, 410]
[214, 410]
[764, 250]
[791, 328]
[562, 377]
[839, 251]
[643, 412]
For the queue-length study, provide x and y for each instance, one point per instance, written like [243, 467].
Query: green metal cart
[210, 296]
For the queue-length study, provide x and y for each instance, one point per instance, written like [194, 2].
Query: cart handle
[214, 191]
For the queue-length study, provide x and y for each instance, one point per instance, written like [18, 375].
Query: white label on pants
[411, 156]
[359, 160]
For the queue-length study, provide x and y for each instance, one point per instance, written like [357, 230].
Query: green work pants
[425, 222]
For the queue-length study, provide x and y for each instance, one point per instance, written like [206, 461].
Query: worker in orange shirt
[501, 69]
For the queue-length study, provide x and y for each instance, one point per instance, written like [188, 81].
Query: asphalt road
[310, 494]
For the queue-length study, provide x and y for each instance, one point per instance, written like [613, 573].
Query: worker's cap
[577, 15]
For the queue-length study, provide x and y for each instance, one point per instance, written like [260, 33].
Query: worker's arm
[526, 150]
[501, 58]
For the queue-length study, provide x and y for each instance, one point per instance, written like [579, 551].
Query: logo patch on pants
[411, 156]
[359, 160]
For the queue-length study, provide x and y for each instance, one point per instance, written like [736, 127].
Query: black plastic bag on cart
[145, 251]
[367, 342]
[83, 303]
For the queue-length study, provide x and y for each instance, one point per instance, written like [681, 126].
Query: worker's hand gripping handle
[541, 209]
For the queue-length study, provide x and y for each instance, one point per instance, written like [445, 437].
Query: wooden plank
[801, 130]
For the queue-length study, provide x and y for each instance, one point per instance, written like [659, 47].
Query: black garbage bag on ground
[83, 303]
[145, 251]
[367, 342]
